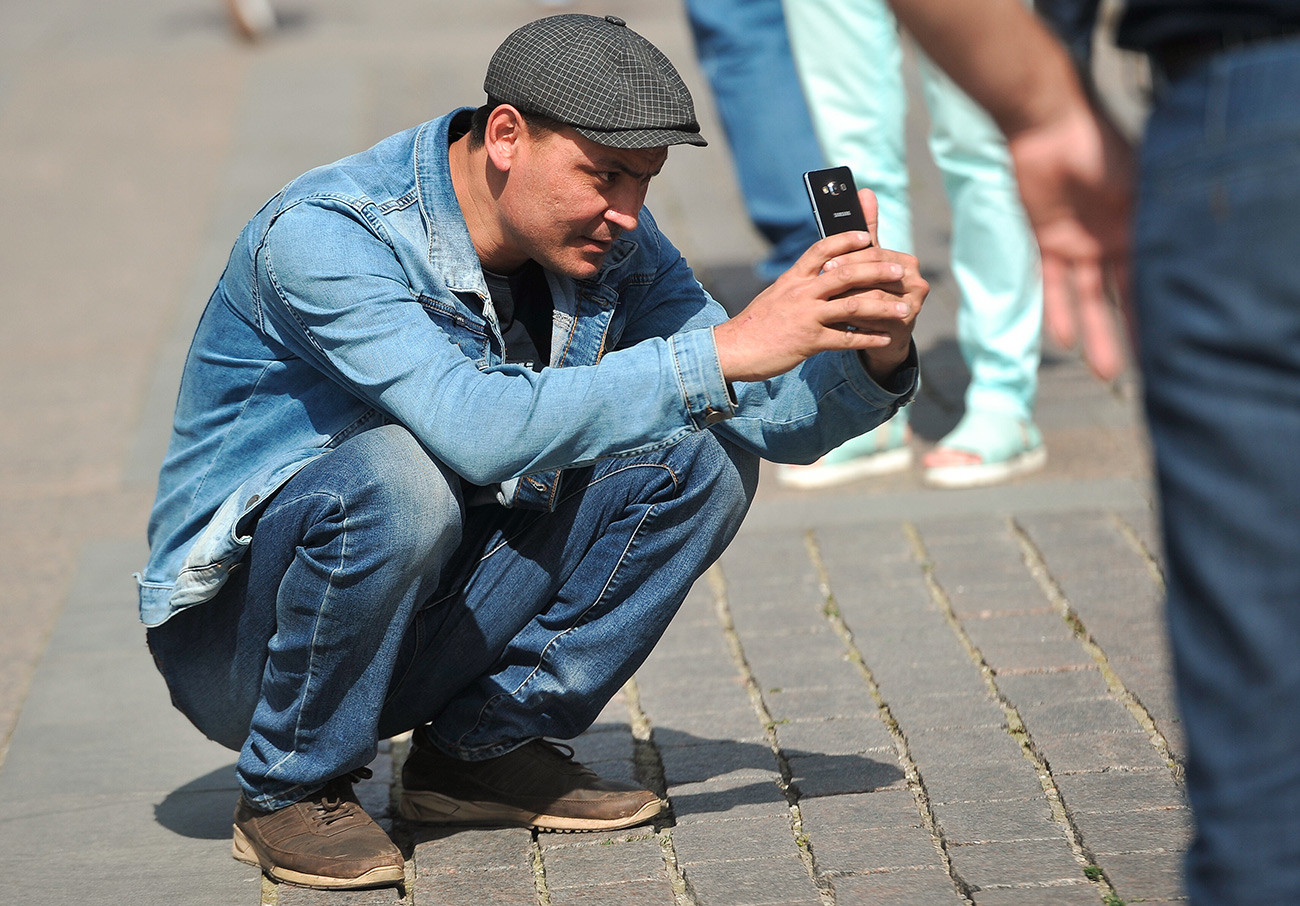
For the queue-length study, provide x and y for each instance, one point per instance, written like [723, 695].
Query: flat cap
[597, 75]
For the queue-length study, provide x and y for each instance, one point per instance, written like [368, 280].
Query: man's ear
[504, 133]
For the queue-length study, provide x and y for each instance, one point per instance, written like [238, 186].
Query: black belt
[1176, 58]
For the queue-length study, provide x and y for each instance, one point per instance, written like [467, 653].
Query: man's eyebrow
[615, 164]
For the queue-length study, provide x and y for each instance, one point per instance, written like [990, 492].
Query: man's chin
[580, 266]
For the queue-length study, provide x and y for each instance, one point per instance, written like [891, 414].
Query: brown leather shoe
[326, 841]
[538, 785]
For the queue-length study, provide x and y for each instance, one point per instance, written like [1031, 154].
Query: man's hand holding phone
[843, 293]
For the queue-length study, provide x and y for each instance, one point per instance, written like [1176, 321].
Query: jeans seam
[302, 698]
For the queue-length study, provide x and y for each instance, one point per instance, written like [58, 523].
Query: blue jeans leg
[550, 613]
[744, 51]
[291, 662]
[1218, 290]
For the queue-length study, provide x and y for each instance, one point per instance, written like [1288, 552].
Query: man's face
[567, 198]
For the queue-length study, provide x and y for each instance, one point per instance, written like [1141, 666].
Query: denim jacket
[354, 298]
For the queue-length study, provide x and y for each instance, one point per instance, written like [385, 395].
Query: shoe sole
[434, 808]
[981, 474]
[243, 850]
[827, 476]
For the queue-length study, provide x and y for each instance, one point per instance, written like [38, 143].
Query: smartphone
[834, 198]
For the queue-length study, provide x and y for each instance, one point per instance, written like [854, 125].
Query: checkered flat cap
[597, 75]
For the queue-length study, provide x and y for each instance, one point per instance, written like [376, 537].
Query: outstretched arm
[1074, 169]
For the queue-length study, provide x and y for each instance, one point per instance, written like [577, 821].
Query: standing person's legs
[744, 51]
[850, 63]
[1218, 290]
[999, 319]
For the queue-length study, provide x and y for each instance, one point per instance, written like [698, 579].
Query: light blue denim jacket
[354, 298]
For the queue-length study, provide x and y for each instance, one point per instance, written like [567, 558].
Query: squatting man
[457, 431]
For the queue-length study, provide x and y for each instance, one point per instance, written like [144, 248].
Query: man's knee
[720, 473]
[388, 483]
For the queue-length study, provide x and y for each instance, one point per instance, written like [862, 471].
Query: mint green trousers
[848, 56]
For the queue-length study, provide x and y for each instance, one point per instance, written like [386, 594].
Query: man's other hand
[1076, 179]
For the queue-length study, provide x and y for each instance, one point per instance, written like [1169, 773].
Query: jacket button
[252, 500]
[713, 416]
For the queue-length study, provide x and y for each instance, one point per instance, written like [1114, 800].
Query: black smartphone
[834, 198]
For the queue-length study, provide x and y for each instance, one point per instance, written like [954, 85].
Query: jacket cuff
[897, 391]
[699, 375]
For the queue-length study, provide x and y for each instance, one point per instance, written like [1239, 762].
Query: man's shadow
[693, 771]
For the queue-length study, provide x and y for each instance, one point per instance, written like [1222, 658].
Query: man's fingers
[1101, 345]
[870, 212]
[1058, 302]
[812, 261]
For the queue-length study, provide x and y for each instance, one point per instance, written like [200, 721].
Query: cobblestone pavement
[881, 694]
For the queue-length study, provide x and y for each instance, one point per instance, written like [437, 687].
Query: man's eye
[608, 177]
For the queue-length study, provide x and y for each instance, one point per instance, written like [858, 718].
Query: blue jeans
[744, 51]
[374, 601]
[1217, 284]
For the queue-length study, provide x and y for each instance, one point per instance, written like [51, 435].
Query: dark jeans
[1218, 292]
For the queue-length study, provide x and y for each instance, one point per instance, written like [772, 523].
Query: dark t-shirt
[522, 300]
[1148, 25]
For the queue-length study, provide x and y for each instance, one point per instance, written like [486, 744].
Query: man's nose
[623, 217]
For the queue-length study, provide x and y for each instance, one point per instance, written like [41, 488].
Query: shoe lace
[337, 797]
[566, 753]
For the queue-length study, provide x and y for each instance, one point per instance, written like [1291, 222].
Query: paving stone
[696, 763]
[1071, 753]
[571, 861]
[825, 701]
[447, 850]
[948, 710]
[1048, 653]
[687, 726]
[834, 775]
[1096, 715]
[1108, 791]
[997, 820]
[1145, 876]
[853, 847]
[1080, 894]
[936, 749]
[902, 675]
[289, 895]
[1137, 831]
[969, 782]
[746, 795]
[629, 893]
[892, 807]
[472, 885]
[845, 735]
[752, 882]
[907, 887]
[735, 838]
[1014, 864]
[1039, 690]
[603, 743]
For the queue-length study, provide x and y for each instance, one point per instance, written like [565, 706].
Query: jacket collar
[451, 251]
